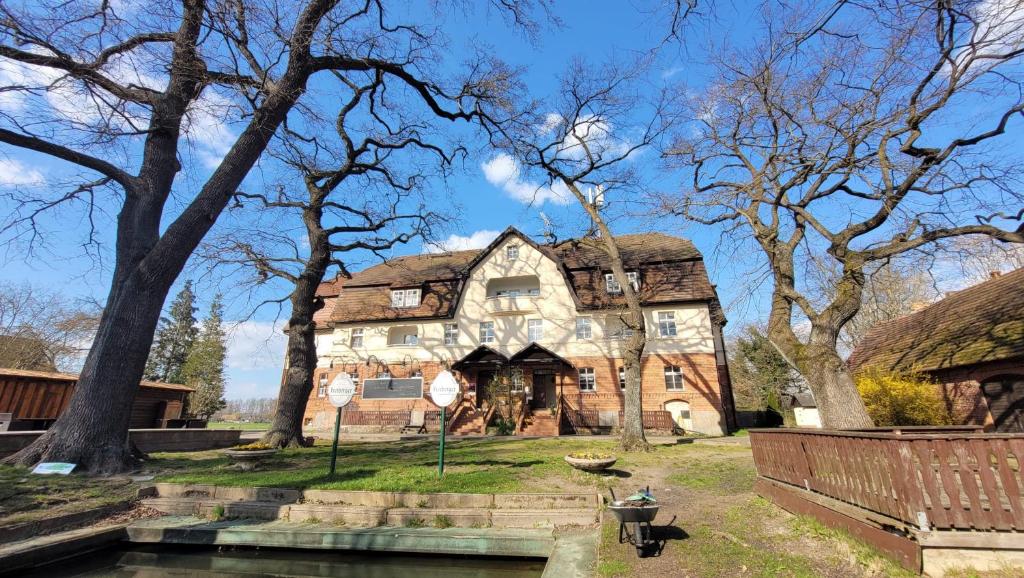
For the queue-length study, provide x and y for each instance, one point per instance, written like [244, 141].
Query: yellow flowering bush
[253, 447]
[898, 399]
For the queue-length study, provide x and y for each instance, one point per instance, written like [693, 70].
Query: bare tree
[582, 143]
[144, 78]
[357, 194]
[42, 330]
[855, 146]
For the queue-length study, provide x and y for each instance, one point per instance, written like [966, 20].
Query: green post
[440, 454]
[334, 449]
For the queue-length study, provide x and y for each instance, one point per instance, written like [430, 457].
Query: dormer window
[512, 252]
[405, 298]
[611, 284]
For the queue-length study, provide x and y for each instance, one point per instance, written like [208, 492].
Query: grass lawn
[244, 426]
[712, 522]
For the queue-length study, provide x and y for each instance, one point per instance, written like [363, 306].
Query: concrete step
[205, 508]
[439, 517]
[533, 543]
[352, 516]
[542, 518]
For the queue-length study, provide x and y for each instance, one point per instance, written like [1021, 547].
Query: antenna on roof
[549, 229]
[595, 198]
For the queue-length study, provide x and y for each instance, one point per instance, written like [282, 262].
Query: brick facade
[961, 389]
[701, 388]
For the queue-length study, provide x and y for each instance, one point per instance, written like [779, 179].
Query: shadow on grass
[472, 462]
[612, 472]
[662, 535]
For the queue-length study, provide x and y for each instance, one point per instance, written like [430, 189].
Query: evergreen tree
[174, 339]
[204, 367]
[760, 374]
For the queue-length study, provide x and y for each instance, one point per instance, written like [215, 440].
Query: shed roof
[57, 376]
[979, 324]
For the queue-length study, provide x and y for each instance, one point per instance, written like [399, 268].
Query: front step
[541, 423]
[372, 509]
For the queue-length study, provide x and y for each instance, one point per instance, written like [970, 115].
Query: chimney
[994, 274]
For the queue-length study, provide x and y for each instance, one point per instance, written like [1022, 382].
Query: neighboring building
[805, 409]
[549, 315]
[35, 399]
[972, 342]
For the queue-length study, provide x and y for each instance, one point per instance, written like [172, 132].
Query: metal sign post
[339, 393]
[443, 392]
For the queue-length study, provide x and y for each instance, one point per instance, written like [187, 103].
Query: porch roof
[536, 353]
[482, 355]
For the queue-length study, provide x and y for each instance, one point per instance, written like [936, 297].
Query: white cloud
[670, 72]
[475, 240]
[503, 171]
[256, 345]
[14, 173]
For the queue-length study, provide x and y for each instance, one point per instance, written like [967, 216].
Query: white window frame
[405, 298]
[622, 378]
[411, 339]
[355, 338]
[534, 329]
[667, 323]
[586, 376]
[321, 386]
[674, 378]
[451, 333]
[612, 286]
[487, 335]
[512, 252]
[621, 331]
[584, 328]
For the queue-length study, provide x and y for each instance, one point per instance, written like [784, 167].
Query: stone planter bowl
[591, 465]
[248, 460]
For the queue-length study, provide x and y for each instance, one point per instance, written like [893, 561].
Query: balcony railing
[512, 305]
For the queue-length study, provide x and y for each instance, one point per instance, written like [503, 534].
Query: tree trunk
[93, 430]
[286, 428]
[839, 403]
[633, 438]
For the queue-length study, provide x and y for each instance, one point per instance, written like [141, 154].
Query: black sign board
[393, 388]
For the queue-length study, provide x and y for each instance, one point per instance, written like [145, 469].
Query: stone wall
[147, 440]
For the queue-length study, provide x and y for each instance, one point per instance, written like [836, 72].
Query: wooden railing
[943, 480]
[381, 418]
[590, 418]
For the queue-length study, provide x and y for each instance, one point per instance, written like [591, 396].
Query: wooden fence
[397, 418]
[943, 480]
[590, 419]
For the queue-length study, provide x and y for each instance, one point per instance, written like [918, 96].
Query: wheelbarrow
[634, 522]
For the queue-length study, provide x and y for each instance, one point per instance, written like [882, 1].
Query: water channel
[152, 561]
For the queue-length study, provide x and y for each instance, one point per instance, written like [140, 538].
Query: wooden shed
[35, 399]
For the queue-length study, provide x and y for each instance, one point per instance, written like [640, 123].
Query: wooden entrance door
[483, 384]
[543, 390]
[1005, 398]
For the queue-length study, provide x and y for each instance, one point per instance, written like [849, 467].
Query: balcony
[512, 305]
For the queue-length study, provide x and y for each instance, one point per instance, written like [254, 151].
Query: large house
[546, 318]
[971, 342]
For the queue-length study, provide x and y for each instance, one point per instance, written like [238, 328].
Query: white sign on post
[341, 390]
[444, 389]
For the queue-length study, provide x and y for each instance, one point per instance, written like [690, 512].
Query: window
[667, 323]
[583, 330]
[673, 378]
[512, 252]
[416, 373]
[403, 335]
[517, 380]
[321, 386]
[611, 284]
[535, 329]
[384, 374]
[486, 332]
[356, 339]
[451, 333]
[587, 382]
[405, 298]
[622, 378]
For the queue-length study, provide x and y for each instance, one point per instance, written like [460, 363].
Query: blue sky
[482, 198]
